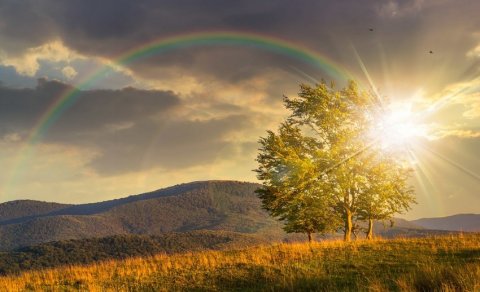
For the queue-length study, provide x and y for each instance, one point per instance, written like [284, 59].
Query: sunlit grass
[448, 263]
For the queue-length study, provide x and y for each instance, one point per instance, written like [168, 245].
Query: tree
[289, 174]
[387, 192]
[313, 170]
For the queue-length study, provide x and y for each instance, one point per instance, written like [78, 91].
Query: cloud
[29, 62]
[69, 72]
[171, 145]
[92, 117]
[11, 138]
[396, 8]
[465, 93]
[129, 129]
[108, 29]
[56, 61]
[475, 52]
[457, 133]
[472, 105]
[21, 108]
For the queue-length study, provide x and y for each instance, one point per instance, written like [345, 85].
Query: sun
[398, 127]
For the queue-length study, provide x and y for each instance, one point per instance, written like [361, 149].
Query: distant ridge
[459, 222]
[25, 208]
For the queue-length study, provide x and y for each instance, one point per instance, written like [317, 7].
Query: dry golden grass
[449, 263]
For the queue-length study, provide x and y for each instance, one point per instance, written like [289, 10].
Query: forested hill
[210, 205]
[84, 251]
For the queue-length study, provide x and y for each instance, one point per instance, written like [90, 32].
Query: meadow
[443, 263]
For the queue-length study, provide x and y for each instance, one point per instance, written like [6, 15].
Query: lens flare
[398, 127]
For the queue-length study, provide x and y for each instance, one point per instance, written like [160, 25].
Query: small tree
[387, 192]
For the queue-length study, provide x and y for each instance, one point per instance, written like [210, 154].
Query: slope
[450, 263]
[213, 205]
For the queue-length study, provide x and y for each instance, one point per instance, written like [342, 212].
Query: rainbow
[168, 44]
[202, 39]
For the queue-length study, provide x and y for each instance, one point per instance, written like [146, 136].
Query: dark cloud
[110, 27]
[404, 29]
[131, 129]
[171, 145]
[226, 63]
[100, 20]
[24, 24]
[20, 109]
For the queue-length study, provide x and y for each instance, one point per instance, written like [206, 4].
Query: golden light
[398, 127]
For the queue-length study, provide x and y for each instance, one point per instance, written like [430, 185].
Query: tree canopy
[322, 169]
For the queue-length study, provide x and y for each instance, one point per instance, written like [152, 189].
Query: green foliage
[287, 168]
[320, 171]
[387, 192]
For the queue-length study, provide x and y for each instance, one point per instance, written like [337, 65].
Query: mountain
[460, 222]
[210, 205]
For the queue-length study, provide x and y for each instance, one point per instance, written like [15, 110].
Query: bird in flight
[431, 52]
[370, 29]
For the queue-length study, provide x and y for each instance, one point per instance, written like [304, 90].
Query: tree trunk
[348, 225]
[370, 229]
[309, 237]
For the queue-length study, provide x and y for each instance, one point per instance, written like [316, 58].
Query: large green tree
[313, 169]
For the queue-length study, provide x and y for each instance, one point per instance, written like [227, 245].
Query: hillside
[212, 205]
[449, 263]
[460, 222]
[84, 251]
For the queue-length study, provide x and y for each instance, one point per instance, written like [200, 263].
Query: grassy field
[448, 263]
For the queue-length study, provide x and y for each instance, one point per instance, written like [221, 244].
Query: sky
[104, 99]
